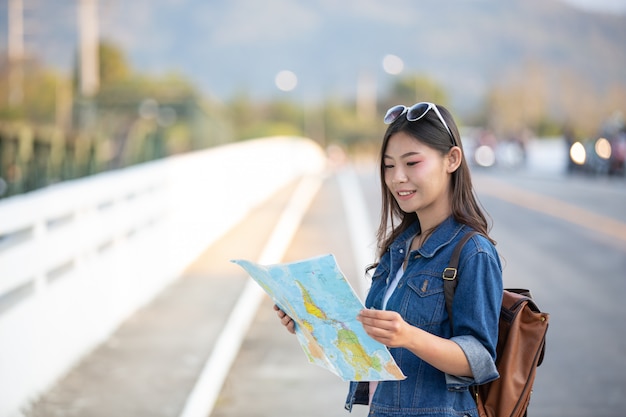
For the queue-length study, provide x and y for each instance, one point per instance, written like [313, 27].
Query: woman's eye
[387, 166]
[412, 163]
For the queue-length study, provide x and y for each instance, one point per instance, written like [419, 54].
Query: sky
[139, 18]
[618, 6]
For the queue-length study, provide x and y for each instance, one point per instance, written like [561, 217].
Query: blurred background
[124, 124]
[88, 86]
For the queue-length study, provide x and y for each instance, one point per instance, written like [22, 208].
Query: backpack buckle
[449, 274]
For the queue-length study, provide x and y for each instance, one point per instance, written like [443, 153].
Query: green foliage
[136, 118]
[346, 128]
[254, 120]
[520, 100]
[40, 91]
[133, 118]
[415, 88]
[331, 122]
[113, 64]
[29, 91]
[270, 128]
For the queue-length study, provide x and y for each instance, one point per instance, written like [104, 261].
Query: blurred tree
[39, 94]
[253, 120]
[132, 119]
[344, 127]
[518, 101]
[151, 117]
[522, 99]
[113, 64]
[414, 88]
[285, 111]
[585, 107]
[242, 113]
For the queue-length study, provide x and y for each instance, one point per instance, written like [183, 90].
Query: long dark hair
[465, 207]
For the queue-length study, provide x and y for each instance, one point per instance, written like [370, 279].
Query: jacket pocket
[424, 302]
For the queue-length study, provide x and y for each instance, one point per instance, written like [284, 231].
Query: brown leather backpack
[522, 332]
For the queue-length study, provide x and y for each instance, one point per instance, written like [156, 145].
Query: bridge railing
[79, 257]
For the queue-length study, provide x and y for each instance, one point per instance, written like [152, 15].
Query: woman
[428, 205]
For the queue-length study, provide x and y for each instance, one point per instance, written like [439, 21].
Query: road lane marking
[202, 398]
[552, 207]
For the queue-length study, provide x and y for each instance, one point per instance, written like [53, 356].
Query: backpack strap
[450, 273]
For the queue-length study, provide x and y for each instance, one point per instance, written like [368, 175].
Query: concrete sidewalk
[150, 364]
[271, 376]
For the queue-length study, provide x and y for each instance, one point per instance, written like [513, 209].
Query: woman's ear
[453, 159]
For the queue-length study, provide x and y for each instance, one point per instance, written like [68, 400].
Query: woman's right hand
[286, 321]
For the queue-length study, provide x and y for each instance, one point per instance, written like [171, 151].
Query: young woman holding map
[428, 205]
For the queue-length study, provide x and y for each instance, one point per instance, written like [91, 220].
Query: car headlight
[485, 156]
[577, 153]
[603, 148]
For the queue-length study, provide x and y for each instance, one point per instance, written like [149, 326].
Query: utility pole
[88, 32]
[16, 52]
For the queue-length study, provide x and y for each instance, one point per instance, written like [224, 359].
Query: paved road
[564, 238]
[271, 376]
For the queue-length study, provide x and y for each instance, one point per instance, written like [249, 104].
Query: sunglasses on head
[414, 113]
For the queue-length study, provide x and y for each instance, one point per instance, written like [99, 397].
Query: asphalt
[151, 363]
[271, 376]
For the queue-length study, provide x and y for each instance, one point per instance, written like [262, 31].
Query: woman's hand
[286, 321]
[387, 327]
[390, 329]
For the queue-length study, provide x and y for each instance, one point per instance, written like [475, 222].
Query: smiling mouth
[405, 193]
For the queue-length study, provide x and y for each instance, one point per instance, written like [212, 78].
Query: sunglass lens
[417, 111]
[393, 113]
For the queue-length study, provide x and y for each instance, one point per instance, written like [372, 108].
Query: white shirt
[390, 289]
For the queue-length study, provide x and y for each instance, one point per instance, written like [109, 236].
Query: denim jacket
[419, 298]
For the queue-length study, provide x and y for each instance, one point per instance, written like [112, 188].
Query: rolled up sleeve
[480, 361]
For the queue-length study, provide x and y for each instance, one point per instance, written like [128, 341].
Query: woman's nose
[399, 176]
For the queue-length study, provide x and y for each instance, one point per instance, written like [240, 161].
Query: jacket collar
[445, 233]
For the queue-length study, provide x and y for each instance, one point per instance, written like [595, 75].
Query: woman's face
[418, 177]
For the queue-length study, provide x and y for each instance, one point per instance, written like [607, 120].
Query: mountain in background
[231, 46]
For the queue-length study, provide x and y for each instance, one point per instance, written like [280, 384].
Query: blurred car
[617, 161]
[599, 156]
[484, 150]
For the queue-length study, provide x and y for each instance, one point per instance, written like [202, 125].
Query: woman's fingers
[285, 319]
[384, 326]
[379, 318]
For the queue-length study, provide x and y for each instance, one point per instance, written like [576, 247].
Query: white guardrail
[79, 257]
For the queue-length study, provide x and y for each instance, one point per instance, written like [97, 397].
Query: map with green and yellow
[316, 295]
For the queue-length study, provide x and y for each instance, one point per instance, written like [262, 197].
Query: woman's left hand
[285, 320]
[390, 329]
[387, 327]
